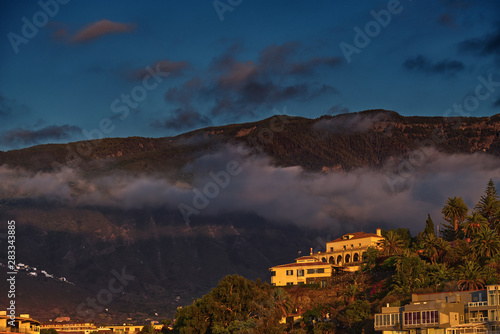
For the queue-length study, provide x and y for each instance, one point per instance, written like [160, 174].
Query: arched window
[347, 258]
[331, 260]
[323, 259]
[355, 258]
[339, 259]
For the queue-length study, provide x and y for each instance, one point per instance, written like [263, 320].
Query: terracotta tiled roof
[357, 235]
[303, 264]
[306, 258]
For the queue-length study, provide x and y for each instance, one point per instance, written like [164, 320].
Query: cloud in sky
[425, 65]
[164, 66]
[21, 136]
[10, 107]
[447, 20]
[486, 45]
[233, 88]
[496, 104]
[100, 28]
[359, 199]
[182, 119]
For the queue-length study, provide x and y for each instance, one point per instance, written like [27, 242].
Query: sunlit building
[344, 254]
[22, 324]
[456, 312]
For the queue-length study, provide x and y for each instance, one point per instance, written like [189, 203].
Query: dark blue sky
[78, 69]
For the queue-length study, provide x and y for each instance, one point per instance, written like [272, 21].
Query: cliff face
[172, 261]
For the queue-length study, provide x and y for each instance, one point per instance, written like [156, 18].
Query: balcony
[478, 319]
[10, 329]
[478, 304]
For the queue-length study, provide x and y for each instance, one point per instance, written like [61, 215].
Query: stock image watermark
[407, 167]
[121, 107]
[30, 28]
[221, 179]
[222, 6]
[363, 37]
[88, 309]
[11, 265]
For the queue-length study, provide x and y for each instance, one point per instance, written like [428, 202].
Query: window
[345, 247]
[423, 317]
[359, 244]
[273, 273]
[323, 284]
[289, 283]
[331, 249]
[386, 319]
[300, 272]
[289, 272]
[310, 271]
[352, 246]
[300, 283]
[321, 270]
[492, 298]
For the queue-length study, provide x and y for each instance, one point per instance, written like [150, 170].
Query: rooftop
[303, 264]
[357, 235]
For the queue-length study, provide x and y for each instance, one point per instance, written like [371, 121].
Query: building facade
[349, 250]
[344, 254]
[297, 273]
[457, 312]
[22, 324]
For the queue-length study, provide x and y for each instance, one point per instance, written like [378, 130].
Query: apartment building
[457, 312]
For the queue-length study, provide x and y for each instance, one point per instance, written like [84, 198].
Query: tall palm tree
[433, 247]
[486, 243]
[455, 211]
[282, 301]
[350, 293]
[439, 275]
[471, 276]
[475, 223]
[392, 244]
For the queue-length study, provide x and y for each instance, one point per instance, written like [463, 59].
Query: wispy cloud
[486, 45]
[425, 65]
[234, 88]
[100, 28]
[165, 66]
[21, 136]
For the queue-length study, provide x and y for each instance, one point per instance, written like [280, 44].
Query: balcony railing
[478, 304]
[478, 319]
[10, 329]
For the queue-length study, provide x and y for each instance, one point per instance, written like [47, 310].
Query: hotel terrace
[345, 254]
[457, 312]
[23, 324]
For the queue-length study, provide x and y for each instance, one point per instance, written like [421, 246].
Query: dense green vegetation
[465, 256]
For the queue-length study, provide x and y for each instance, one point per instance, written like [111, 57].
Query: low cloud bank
[360, 199]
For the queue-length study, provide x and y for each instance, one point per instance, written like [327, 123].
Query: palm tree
[350, 293]
[473, 224]
[455, 211]
[433, 247]
[439, 274]
[471, 276]
[486, 243]
[282, 301]
[392, 243]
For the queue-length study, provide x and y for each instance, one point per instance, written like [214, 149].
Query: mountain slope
[173, 261]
